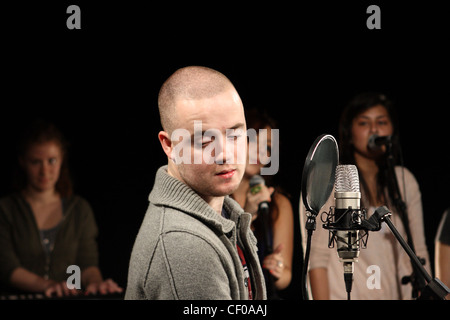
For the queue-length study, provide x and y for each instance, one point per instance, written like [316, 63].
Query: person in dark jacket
[47, 233]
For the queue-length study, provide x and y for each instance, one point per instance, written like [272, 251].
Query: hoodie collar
[171, 192]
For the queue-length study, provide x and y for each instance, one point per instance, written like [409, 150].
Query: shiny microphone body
[348, 199]
[376, 141]
[258, 180]
[344, 224]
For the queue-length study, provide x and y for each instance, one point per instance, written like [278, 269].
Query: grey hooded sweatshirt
[186, 250]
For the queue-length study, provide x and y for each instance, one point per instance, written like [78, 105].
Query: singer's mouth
[226, 174]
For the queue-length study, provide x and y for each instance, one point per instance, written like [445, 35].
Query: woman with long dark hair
[383, 266]
[275, 232]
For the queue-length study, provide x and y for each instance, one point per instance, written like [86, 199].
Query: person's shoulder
[6, 198]
[77, 199]
[9, 199]
[186, 244]
[405, 173]
[12, 206]
[179, 221]
[282, 200]
[176, 224]
[78, 204]
[403, 170]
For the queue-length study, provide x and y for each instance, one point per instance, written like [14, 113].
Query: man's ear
[166, 143]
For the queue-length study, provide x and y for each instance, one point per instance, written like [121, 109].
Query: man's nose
[222, 152]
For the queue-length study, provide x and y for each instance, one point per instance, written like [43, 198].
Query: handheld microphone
[263, 214]
[263, 207]
[345, 223]
[376, 141]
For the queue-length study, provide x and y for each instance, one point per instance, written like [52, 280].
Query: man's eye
[202, 143]
[206, 143]
[234, 137]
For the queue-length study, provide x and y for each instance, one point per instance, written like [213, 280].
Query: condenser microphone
[376, 141]
[348, 198]
[345, 223]
[256, 180]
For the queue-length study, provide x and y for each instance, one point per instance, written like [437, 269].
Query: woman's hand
[274, 262]
[59, 289]
[256, 195]
[104, 287]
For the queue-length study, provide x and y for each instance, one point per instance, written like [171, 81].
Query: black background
[302, 62]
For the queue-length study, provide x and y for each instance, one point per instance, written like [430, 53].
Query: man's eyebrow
[237, 126]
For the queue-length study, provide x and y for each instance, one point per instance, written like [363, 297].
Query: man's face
[217, 143]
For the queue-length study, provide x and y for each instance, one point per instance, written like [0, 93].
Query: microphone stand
[310, 226]
[435, 289]
[416, 280]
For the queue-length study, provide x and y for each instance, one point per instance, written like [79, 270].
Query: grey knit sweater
[186, 250]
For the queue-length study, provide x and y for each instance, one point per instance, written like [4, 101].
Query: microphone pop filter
[319, 173]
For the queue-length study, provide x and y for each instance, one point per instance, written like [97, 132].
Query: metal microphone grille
[347, 179]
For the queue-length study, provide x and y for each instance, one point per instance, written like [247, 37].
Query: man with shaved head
[195, 241]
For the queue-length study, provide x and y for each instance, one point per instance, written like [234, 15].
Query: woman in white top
[383, 264]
